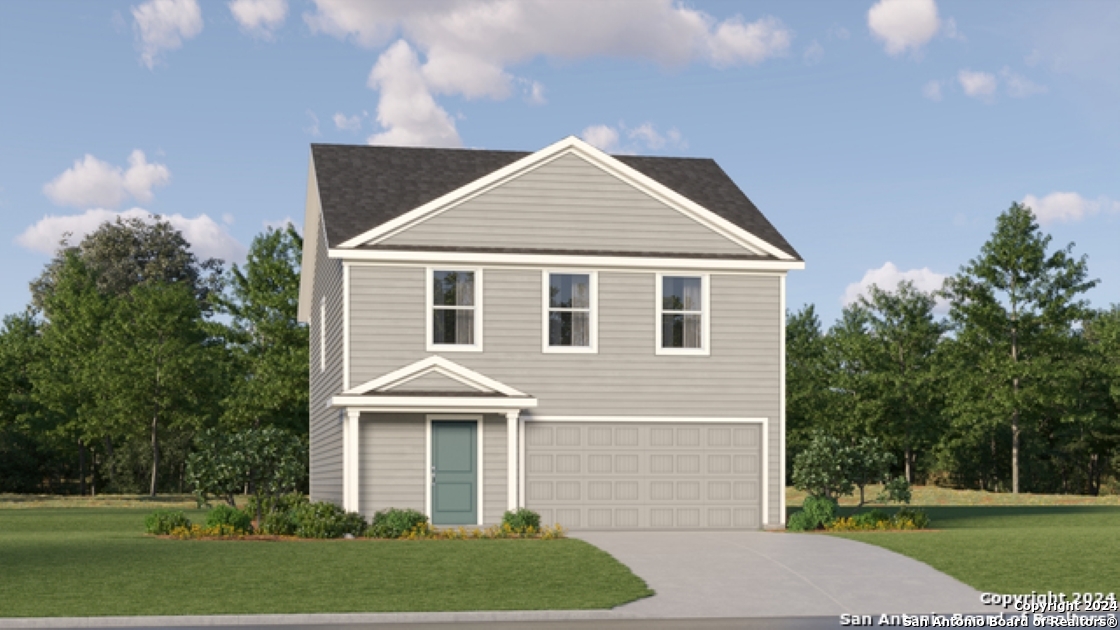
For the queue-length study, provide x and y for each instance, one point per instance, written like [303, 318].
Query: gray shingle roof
[361, 187]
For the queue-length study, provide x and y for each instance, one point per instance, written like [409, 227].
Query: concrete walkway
[775, 574]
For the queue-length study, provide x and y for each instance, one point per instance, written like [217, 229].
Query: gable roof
[363, 187]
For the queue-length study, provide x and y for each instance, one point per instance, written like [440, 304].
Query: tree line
[132, 346]
[1016, 389]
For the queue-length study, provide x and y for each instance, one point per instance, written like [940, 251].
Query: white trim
[322, 334]
[532, 418]
[313, 228]
[439, 365]
[570, 145]
[476, 308]
[351, 465]
[511, 459]
[480, 464]
[705, 348]
[413, 403]
[782, 399]
[345, 326]
[466, 259]
[593, 313]
[761, 273]
[765, 437]
[521, 462]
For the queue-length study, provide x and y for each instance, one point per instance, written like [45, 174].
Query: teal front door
[454, 472]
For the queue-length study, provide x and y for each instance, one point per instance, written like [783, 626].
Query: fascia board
[433, 403]
[559, 260]
[312, 226]
[424, 366]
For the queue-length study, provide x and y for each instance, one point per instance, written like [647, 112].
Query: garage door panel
[632, 476]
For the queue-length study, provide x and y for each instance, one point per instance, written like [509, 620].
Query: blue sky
[882, 138]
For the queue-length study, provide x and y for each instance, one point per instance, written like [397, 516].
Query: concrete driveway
[778, 574]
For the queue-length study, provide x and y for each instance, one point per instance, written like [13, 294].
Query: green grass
[89, 562]
[1016, 549]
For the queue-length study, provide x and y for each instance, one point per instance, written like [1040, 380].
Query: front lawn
[97, 561]
[1016, 549]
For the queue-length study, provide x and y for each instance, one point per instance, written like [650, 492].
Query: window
[682, 314]
[569, 308]
[455, 309]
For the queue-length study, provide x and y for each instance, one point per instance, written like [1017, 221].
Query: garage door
[644, 475]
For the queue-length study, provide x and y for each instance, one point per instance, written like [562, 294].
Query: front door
[454, 472]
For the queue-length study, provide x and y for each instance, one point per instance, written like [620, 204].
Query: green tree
[807, 393]
[156, 365]
[1010, 308]
[903, 336]
[270, 345]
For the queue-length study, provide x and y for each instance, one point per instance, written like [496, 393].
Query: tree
[807, 393]
[159, 364]
[903, 337]
[270, 345]
[823, 468]
[1010, 308]
[268, 460]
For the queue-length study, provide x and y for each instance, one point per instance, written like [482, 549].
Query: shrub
[327, 520]
[522, 521]
[871, 519]
[897, 489]
[225, 515]
[161, 522]
[279, 524]
[910, 518]
[821, 510]
[800, 522]
[395, 523]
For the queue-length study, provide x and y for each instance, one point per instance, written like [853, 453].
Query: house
[598, 338]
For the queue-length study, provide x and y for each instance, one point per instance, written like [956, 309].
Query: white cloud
[904, 24]
[814, 53]
[981, 85]
[227, 218]
[313, 128]
[92, 182]
[951, 32]
[466, 48]
[838, 32]
[162, 25]
[887, 278]
[644, 137]
[1019, 86]
[259, 18]
[207, 239]
[407, 110]
[1064, 207]
[932, 90]
[347, 123]
[602, 137]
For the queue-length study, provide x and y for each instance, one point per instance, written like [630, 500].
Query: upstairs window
[682, 314]
[570, 323]
[455, 310]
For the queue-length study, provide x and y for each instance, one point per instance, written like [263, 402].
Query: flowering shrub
[522, 520]
[877, 520]
[424, 531]
[197, 531]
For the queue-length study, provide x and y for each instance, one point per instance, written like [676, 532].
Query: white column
[350, 467]
[521, 459]
[511, 458]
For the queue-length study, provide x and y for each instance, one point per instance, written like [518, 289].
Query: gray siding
[392, 462]
[495, 476]
[567, 204]
[626, 378]
[326, 425]
[435, 382]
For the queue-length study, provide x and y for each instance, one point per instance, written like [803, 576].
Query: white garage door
[633, 475]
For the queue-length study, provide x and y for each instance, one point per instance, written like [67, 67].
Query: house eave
[496, 259]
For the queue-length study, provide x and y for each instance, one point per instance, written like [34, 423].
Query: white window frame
[429, 308]
[705, 315]
[593, 316]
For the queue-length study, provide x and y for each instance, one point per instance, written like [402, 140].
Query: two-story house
[599, 338]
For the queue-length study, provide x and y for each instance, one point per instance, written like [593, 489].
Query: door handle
[433, 475]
